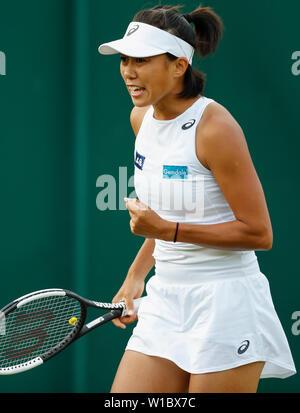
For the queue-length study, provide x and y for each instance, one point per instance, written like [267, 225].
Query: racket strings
[37, 327]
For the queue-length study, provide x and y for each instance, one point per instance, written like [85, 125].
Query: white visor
[145, 40]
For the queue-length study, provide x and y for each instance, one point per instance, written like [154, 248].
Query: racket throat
[98, 321]
[93, 323]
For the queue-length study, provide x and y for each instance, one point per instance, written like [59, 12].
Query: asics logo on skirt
[243, 347]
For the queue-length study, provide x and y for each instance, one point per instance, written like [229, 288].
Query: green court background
[64, 122]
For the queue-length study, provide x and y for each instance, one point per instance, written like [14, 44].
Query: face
[155, 77]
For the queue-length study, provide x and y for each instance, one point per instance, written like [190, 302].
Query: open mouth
[136, 91]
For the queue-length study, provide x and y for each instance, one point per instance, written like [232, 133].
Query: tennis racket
[41, 324]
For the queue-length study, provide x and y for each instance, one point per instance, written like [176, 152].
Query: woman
[208, 323]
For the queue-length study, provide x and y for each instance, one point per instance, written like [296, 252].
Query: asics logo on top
[243, 347]
[133, 30]
[189, 124]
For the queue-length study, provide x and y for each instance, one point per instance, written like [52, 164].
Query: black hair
[204, 39]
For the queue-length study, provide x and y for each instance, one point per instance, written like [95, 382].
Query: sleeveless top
[170, 179]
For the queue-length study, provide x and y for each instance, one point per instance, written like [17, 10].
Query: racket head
[38, 326]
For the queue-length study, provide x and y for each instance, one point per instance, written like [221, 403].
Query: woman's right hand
[130, 290]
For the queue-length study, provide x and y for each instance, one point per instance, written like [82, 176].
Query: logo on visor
[189, 124]
[134, 29]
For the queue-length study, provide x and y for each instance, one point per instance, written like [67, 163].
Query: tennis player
[208, 323]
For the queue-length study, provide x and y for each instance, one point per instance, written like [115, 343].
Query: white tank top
[170, 179]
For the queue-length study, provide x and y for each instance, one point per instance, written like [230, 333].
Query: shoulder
[218, 132]
[136, 117]
[216, 118]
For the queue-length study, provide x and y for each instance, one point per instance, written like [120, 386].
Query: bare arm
[134, 283]
[143, 262]
[222, 143]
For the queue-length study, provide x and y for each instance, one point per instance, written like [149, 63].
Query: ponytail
[208, 28]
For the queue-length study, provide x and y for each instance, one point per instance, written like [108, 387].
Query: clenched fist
[145, 222]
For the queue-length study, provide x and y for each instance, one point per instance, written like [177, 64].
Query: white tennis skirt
[211, 326]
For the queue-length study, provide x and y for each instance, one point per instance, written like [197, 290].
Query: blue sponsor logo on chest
[175, 172]
[139, 160]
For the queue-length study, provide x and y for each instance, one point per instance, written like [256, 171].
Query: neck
[169, 107]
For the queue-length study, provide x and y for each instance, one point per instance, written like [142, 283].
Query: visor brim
[133, 49]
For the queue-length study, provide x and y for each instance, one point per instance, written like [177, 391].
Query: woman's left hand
[144, 221]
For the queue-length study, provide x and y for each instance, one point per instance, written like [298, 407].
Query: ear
[180, 66]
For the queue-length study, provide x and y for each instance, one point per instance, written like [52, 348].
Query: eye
[138, 59]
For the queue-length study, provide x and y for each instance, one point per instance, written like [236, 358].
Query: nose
[128, 70]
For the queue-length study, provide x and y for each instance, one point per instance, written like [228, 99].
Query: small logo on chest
[139, 160]
[189, 124]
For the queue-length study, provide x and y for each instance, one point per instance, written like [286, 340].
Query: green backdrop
[65, 131]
